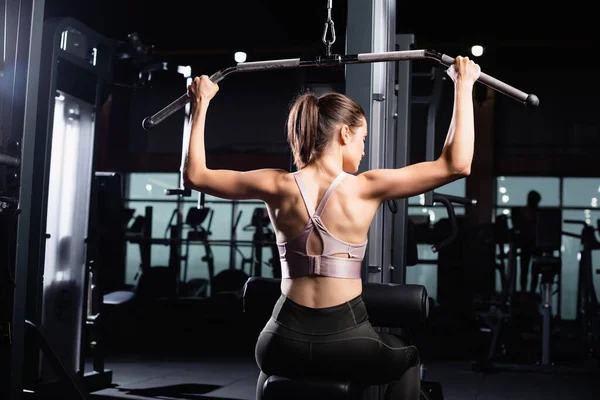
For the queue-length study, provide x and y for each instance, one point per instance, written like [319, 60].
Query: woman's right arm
[457, 154]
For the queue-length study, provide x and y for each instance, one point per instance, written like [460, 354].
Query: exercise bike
[587, 311]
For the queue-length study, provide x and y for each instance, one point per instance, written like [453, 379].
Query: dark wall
[562, 135]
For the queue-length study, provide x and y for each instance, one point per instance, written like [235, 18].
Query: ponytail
[303, 129]
[312, 121]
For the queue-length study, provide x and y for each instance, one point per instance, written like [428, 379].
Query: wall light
[477, 50]
[239, 57]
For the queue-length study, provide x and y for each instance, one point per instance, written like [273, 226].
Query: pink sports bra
[325, 264]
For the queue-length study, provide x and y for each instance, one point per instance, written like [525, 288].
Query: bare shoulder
[285, 185]
[355, 186]
[399, 183]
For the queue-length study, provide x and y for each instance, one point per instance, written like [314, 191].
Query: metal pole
[28, 16]
[366, 32]
[402, 155]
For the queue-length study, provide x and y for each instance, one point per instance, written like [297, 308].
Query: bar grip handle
[9, 161]
[530, 100]
[180, 102]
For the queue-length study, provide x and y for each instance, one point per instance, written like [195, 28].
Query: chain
[329, 26]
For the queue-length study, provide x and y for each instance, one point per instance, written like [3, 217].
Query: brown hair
[312, 121]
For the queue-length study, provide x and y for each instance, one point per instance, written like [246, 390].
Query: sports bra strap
[328, 193]
[309, 207]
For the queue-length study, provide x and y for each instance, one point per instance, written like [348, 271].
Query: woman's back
[346, 216]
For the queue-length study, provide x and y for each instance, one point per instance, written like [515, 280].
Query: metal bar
[245, 202]
[358, 84]
[403, 55]
[530, 100]
[233, 233]
[28, 58]
[457, 199]
[211, 242]
[389, 137]
[447, 201]
[378, 97]
[72, 379]
[402, 155]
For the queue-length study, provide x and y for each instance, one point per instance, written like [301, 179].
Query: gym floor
[151, 378]
[212, 357]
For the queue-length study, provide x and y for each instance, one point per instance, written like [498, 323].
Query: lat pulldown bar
[530, 100]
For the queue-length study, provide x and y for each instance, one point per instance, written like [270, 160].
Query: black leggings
[338, 343]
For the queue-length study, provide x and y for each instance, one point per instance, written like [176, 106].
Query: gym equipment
[168, 281]
[110, 235]
[175, 230]
[548, 242]
[65, 66]
[260, 224]
[194, 220]
[447, 201]
[154, 281]
[547, 260]
[9, 161]
[588, 310]
[22, 31]
[232, 280]
[165, 281]
[499, 306]
[530, 100]
[427, 234]
[388, 305]
[499, 319]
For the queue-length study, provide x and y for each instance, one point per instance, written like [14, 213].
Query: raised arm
[455, 159]
[235, 185]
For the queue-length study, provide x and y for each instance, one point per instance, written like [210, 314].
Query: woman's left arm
[260, 184]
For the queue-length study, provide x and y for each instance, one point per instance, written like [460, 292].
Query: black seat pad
[277, 387]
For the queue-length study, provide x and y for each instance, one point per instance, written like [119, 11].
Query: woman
[321, 215]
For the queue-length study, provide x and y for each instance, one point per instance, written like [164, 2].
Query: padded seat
[547, 260]
[118, 297]
[277, 387]
[548, 265]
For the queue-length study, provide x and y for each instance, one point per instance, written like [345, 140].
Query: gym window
[148, 189]
[426, 273]
[578, 199]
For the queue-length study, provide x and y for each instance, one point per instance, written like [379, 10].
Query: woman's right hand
[202, 88]
[464, 70]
